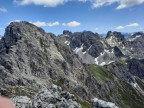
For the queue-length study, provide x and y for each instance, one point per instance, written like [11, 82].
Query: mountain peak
[67, 32]
[21, 30]
[115, 34]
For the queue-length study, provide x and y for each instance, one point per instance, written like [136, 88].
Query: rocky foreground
[53, 97]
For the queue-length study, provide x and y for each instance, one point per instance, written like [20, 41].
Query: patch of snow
[102, 103]
[123, 47]
[104, 58]
[84, 52]
[86, 58]
[100, 59]
[76, 50]
[119, 42]
[137, 36]
[67, 43]
[102, 64]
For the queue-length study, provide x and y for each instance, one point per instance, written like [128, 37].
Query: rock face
[32, 58]
[91, 48]
[52, 98]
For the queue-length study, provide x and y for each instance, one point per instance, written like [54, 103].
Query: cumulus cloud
[40, 24]
[121, 3]
[119, 27]
[53, 24]
[129, 3]
[72, 24]
[3, 10]
[129, 25]
[132, 25]
[45, 3]
[95, 3]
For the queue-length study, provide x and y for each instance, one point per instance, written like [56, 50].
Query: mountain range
[73, 70]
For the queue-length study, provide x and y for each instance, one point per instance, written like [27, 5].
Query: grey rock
[47, 99]
[22, 102]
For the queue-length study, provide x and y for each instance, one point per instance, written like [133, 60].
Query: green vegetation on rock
[100, 73]
[127, 96]
[19, 91]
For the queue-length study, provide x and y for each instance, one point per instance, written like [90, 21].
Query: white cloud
[45, 3]
[99, 3]
[132, 25]
[129, 25]
[119, 27]
[95, 3]
[122, 3]
[3, 10]
[40, 24]
[72, 24]
[129, 3]
[96, 28]
[53, 24]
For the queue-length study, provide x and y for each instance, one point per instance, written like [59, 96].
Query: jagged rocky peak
[67, 32]
[114, 38]
[115, 34]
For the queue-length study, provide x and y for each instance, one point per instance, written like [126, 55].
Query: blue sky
[75, 15]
